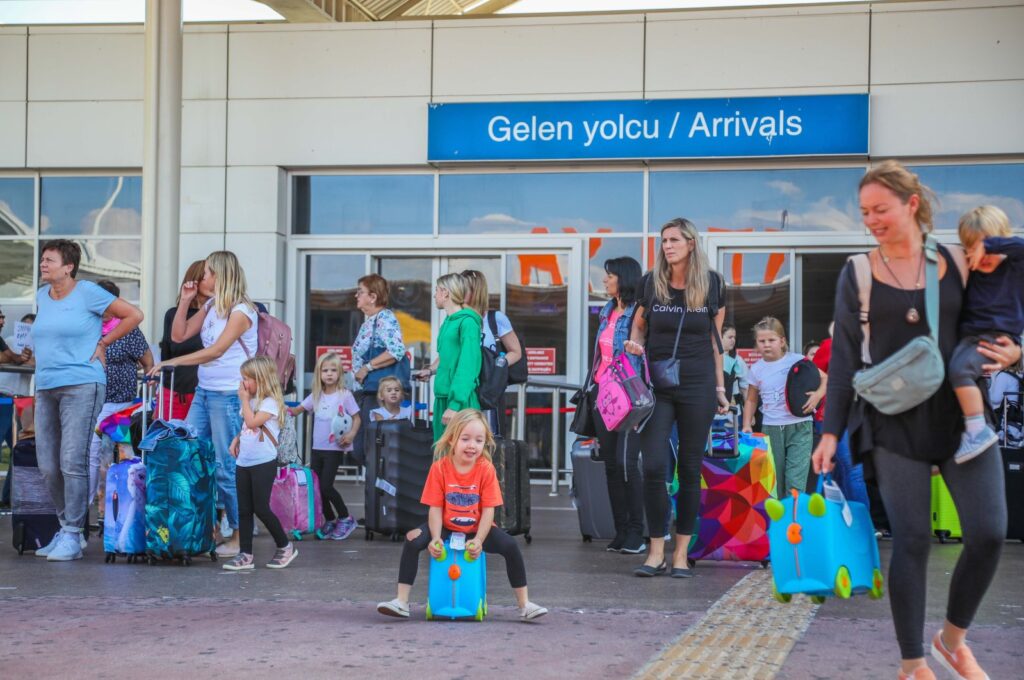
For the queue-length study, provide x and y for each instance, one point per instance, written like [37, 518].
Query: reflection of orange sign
[540, 360]
[749, 356]
[344, 351]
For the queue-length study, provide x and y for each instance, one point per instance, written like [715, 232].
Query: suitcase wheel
[942, 535]
[764, 564]
[818, 599]
[108, 558]
[529, 538]
[151, 560]
[369, 535]
[784, 598]
[587, 538]
[213, 556]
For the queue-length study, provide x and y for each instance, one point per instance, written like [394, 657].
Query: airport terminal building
[531, 148]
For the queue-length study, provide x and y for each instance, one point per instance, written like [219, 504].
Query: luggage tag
[835, 494]
[301, 480]
[386, 487]
[457, 541]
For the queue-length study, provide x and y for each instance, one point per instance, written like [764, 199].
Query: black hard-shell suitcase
[1013, 470]
[590, 491]
[398, 460]
[33, 514]
[512, 464]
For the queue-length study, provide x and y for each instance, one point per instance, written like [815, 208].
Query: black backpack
[493, 378]
[803, 377]
[518, 372]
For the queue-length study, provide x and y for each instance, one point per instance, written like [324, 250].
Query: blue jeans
[850, 477]
[65, 418]
[217, 416]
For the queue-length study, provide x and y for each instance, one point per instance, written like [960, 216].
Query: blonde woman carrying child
[462, 491]
[791, 434]
[255, 451]
[993, 307]
[328, 402]
[390, 395]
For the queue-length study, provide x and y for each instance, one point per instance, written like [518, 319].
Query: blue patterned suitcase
[124, 526]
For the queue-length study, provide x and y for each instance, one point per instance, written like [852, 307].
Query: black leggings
[620, 452]
[977, 491]
[325, 464]
[497, 541]
[254, 484]
[691, 409]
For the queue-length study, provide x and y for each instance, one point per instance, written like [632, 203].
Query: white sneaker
[46, 549]
[68, 548]
[532, 611]
[395, 608]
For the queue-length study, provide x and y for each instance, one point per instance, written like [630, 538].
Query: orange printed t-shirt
[462, 496]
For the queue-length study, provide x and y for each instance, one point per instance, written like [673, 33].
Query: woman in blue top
[70, 384]
[620, 451]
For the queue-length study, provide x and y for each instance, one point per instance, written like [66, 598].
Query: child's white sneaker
[532, 611]
[973, 445]
[395, 608]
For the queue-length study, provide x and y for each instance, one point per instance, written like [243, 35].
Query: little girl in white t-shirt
[390, 395]
[335, 426]
[791, 435]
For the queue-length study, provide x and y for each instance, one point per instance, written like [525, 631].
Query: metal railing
[557, 388]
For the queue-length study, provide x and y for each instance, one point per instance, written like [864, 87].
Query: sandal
[647, 570]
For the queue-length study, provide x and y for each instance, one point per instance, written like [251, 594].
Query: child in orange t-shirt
[462, 491]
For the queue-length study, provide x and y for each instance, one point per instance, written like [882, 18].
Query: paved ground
[316, 618]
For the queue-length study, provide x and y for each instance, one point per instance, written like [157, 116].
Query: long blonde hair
[478, 296]
[264, 371]
[445, 446]
[230, 288]
[895, 177]
[697, 268]
[318, 385]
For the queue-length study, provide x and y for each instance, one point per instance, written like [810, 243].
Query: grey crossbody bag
[914, 373]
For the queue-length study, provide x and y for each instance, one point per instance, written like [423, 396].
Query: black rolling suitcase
[1013, 471]
[512, 464]
[398, 459]
[590, 492]
[33, 516]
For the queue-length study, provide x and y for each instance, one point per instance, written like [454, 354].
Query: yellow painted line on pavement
[745, 634]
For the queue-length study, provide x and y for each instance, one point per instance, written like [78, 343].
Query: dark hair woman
[71, 354]
[620, 451]
[901, 449]
[680, 316]
[186, 378]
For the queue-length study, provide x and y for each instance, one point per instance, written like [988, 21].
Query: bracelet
[720, 389]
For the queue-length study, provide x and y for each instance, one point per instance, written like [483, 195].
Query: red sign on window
[750, 356]
[344, 351]
[540, 360]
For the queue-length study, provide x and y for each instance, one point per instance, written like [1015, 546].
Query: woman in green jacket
[457, 365]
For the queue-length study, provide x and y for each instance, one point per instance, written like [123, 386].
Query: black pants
[691, 408]
[620, 452]
[325, 464]
[253, 485]
[977, 490]
[497, 541]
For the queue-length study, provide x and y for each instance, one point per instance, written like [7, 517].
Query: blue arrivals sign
[817, 125]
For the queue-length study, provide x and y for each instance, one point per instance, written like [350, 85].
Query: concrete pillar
[161, 164]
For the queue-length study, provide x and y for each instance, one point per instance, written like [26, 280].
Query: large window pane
[363, 204]
[757, 285]
[91, 206]
[602, 250]
[490, 267]
[537, 301]
[819, 280]
[758, 200]
[17, 206]
[17, 263]
[541, 203]
[960, 188]
[411, 288]
[116, 260]
[331, 314]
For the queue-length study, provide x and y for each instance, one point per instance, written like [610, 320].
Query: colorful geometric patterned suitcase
[732, 523]
[458, 586]
[823, 547]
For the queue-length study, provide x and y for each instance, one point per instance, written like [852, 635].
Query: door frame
[299, 247]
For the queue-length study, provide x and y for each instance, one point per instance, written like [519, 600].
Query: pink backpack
[274, 340]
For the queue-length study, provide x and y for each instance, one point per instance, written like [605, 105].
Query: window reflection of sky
[602, 250]
[368, 204]
[758, 200]
[79, 206]
[570, 202]
[960, 188]
[17, 205]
